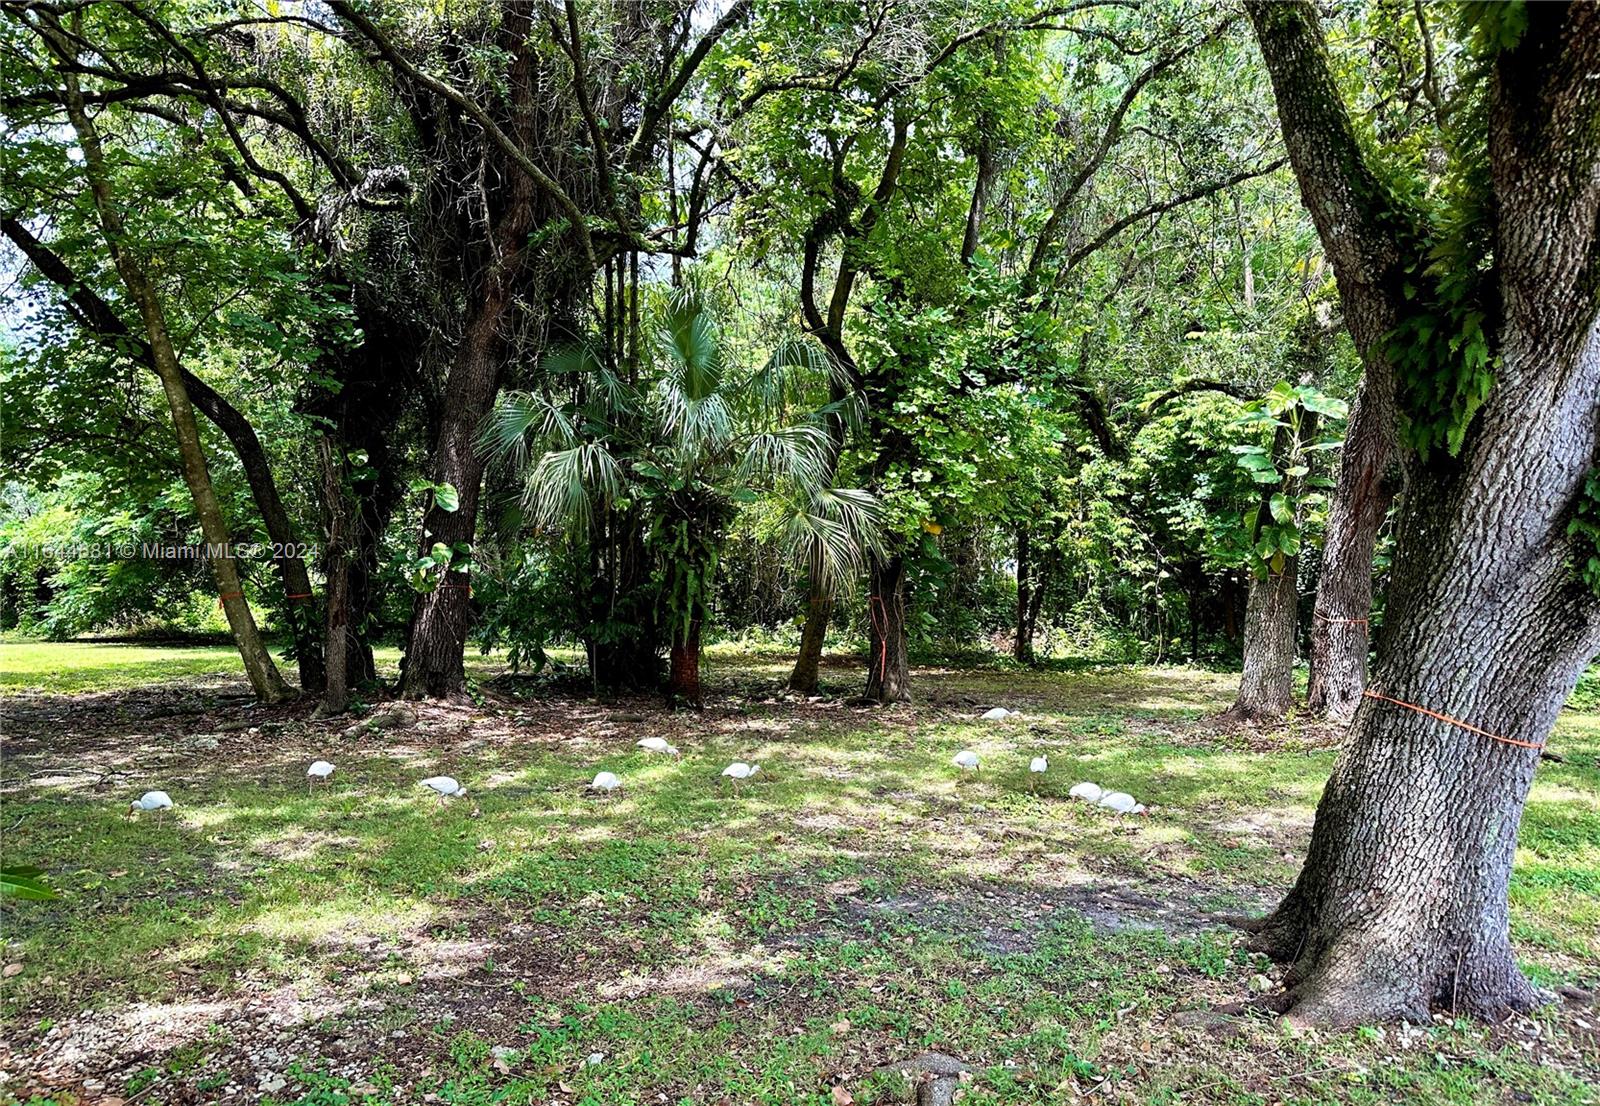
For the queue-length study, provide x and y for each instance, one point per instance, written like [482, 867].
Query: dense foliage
[1010, 295]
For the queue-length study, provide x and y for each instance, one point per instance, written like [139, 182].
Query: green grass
[859, 901]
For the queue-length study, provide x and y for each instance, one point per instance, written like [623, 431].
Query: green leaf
[1282, 509]
[23, 882]
[446, 498]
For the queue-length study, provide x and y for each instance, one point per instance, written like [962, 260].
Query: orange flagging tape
[1340, 621]
[299, 595]
[883, 635]
[1370, 694]
[223, 599]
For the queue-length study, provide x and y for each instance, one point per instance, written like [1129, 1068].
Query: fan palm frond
[793, 454]
[830, 531]
[566, 484]
[688, 337]
[519, 417]
[795, 365]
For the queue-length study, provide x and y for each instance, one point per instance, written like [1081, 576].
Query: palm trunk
[258, 665]
[683, 681]
[1340, 629]
[889, 670]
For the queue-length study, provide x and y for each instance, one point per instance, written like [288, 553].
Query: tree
[551, 223]
[1286, 477]
[695, 438]
[133, 270]
[1481, 298]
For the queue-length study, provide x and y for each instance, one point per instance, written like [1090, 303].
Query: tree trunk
[258, 666]
[1340, 630]
[433, 665]
[336, 562]
[889, 670]
[1022, 648]
[1266, 689]
[1402, 903]
[819, 609]
[434, 660]
[683, 680]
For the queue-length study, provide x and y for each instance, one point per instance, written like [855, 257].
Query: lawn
[859, 903]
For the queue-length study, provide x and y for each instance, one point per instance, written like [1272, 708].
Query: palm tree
[695, 440]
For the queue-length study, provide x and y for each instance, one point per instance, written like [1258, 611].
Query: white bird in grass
[444, 786]
[1121, 802]
[319, 770]
[657, 745]
[1037, 767]
[739, 770]
[158, 801]
[1088, 792]
[998, 714]
[605, 781]
[966, 758]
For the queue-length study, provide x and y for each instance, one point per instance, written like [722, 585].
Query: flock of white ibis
[448, 787]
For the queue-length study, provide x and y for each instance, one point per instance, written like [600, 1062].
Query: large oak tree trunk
[1340, 624]
[258, 666]
[889, 667]
[440, 617]
[1402, 903]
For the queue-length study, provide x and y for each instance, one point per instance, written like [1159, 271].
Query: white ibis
[998, 714]
[966, 758]
[604, 782]
[1037, 767]
[739, 770]
[444, 786]
[319, 770]
[657, 745]
[1121, 802]
[158, 801]
[1088, 792]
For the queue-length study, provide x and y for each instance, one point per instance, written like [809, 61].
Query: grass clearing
[857, 903]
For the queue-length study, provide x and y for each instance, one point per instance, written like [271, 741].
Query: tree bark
[889, 667]
[819, 609]
[337, 566]
[1027, 611]
[683, 680]
[440, 618]
[259, 669]
[1402, 903]
[1340, 626]
[1266, 687]
[434, 665]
